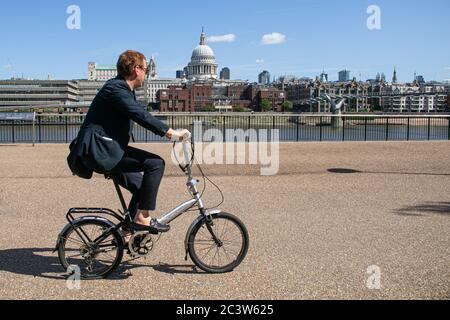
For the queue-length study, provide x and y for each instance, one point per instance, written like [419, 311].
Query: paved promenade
[333, 211]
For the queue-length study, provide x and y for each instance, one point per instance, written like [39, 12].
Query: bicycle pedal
[139, 228]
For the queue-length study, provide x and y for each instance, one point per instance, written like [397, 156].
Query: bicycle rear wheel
[94, 259]
[218, 246]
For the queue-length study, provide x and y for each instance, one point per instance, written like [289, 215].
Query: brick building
[197, 97]
[173, 99]
[275, 96]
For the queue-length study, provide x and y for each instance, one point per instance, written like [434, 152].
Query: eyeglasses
[146, 70]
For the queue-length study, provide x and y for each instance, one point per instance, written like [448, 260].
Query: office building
[32, 93]
[264, 78]
[225, 74]
[344, 76]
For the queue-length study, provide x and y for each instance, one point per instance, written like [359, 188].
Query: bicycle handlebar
[189, 159]
[186, 151]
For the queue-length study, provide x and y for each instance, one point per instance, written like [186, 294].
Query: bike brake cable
[204, 176]
[215, 185]
[183, 168]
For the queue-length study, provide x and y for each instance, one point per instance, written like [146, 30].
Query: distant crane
[11, 65]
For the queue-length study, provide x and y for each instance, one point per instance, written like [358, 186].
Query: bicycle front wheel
[220, 245]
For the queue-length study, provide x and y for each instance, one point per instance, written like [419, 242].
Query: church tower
[394, 78]
[153, 74]
[92, 74]
[203, 37]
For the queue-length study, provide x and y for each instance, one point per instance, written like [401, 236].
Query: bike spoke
[204, 241]
[108, 254]
[209, 247]
[74, 240]
[231, 251]
[224, 229]
[227, 252]
[217, 254]
[96, 258]
[212, 247]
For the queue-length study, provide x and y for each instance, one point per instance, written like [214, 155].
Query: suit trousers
[140, 172]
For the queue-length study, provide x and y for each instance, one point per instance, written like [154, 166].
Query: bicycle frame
[165, 219]
[113, 234]
[192, 188]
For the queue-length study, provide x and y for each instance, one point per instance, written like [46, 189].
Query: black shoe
[154, 228]
[159, 226]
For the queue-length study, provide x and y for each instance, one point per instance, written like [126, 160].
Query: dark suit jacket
[107, 129]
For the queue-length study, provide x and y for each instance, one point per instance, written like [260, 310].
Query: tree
[240, 109]
[208, 108]
[152, 106]
[266, 105]
[288, 106]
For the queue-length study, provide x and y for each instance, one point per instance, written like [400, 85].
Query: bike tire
[194, 251]
[85, 223]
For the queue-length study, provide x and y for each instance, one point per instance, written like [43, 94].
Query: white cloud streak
[223, 38]
[273, 38]
[259, 61]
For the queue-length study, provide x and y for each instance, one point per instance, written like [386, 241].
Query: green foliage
[240, 109]
[208, 108]
[152, 106]
[288, 106]
[266, 105]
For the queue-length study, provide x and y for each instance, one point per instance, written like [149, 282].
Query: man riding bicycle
[102, 144]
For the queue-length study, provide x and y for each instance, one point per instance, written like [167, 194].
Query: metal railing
[63, 128]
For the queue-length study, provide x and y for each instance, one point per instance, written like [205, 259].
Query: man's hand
[178, 135]
[181, 135]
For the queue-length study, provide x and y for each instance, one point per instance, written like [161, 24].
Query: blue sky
[329, 34]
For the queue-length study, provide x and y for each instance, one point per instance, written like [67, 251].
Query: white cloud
[273, 38]
[224, 38]
[259, 61]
